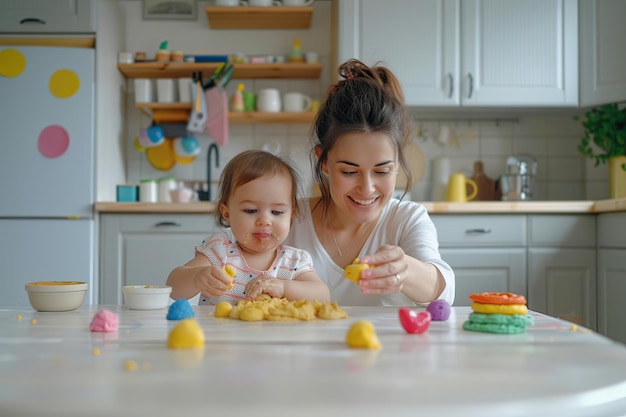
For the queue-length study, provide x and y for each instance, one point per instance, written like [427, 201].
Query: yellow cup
[457, 188]
[315, 106]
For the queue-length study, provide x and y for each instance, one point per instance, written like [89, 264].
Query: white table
[303, 369]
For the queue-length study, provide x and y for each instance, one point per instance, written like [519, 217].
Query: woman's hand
[265, 284]
[387, 274]
[212, 281]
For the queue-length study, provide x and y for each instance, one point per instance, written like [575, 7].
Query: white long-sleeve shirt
[401, 223]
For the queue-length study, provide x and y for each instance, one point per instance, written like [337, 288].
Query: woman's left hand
[388, 272]
[265, 284]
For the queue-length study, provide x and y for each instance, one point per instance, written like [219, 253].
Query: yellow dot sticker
[12, 63]
[64, 83]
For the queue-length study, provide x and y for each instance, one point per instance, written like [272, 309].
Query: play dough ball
[362, 335]
[353, 271]
[222, 309]
[439, 310]
[104, 321]
[251, 314]
[180, 310]
[186, 335]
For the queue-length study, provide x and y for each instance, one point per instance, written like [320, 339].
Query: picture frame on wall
[169, 9]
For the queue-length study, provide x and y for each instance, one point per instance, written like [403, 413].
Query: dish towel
[217, 114]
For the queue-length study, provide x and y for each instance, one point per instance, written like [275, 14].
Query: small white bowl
[146, 297]
[56, 295]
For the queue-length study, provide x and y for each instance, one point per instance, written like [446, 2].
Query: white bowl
[146, 297]
[56, 295]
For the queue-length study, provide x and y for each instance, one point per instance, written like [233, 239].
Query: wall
[552, 138]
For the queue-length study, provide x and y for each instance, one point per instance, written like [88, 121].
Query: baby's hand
[265, 284]
[212, 281]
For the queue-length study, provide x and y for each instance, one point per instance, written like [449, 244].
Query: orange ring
[497, 298]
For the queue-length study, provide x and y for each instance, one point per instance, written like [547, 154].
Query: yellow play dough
[331, 311]
[231, 273]
[187, 334]
[251, 314]
[362, 335]
[500, 308]
[222, 309]
[353, 271]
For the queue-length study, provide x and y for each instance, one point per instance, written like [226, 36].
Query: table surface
[48, 367]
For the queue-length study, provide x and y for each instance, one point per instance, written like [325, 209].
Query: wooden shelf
[276, 17]
[242, 71]
[179, 113]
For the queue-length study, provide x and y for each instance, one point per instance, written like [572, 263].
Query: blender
[519, 181]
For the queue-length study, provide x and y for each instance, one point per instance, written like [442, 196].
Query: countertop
[303, 368]
[472, 207]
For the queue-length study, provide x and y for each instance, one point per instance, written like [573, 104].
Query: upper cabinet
[603, 63]
[469, 53]
[47, 16]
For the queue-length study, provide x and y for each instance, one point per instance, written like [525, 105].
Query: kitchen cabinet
[562, 267]
[603, 63]
[259, 17]
[469, 53]
[612, 275]
[487, 253]
[137, 249]
[179, 112]
[48, 16]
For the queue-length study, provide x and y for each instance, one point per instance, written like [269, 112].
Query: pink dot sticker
[53, 141]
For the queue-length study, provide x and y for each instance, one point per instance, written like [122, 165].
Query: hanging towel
[217, 114]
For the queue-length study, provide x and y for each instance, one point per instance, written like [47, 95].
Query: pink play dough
[104, 321]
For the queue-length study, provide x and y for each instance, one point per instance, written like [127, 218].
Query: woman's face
[260, 213]
[362, 169]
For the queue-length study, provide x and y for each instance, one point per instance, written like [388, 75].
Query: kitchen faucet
[212, 147]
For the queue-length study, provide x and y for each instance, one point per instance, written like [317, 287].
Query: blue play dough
[180, 310]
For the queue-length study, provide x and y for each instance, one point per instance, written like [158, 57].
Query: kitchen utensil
[183, 195]
[56, 295]
[186, 146]
[519, 181]
[151, 136]
[486, 186]
[162, 157]
[198, 115]
[146, 297]
[457, 188]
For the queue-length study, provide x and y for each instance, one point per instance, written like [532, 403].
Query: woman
[361, 131]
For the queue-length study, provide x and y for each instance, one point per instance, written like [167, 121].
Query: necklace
[356, 241]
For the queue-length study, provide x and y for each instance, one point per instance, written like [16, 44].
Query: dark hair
[367, 99]
[248, 166]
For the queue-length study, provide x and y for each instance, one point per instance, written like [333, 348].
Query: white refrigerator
[46, 168]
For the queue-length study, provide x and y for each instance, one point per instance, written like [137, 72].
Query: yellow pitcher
[457, 188]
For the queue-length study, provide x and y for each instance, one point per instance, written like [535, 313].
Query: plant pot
[617, 177]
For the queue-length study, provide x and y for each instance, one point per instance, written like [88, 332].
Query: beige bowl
[146, 297]
[56, 295]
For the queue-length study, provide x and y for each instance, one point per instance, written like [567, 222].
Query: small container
[126, 193]
[177, 56]
[166, 90]
[163, 55]
[146, 297]
[148, 191]
[140, 56]
[165, 185]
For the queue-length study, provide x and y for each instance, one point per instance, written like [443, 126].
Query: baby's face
[260, 213]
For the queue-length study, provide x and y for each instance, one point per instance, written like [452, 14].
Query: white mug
[144, 90]
[268, 100]
[260, 3]
[166, 90]
[297, 3]
[297, 102]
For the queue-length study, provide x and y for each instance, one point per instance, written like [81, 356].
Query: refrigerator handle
[166, 224]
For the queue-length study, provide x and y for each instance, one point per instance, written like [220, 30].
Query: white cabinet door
[143, 249]
[562, 283]
[416, 39]
[603, 56]
[519, 53]
[469, 53]
[611, 293]
[47, 16]
[486, 270]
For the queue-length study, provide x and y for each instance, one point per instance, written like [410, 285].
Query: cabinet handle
[32, 20]
[451, 88]
[165, 224]
[477, 231]
[471, 85]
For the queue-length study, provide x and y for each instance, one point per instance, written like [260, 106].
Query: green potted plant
[605, 142]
